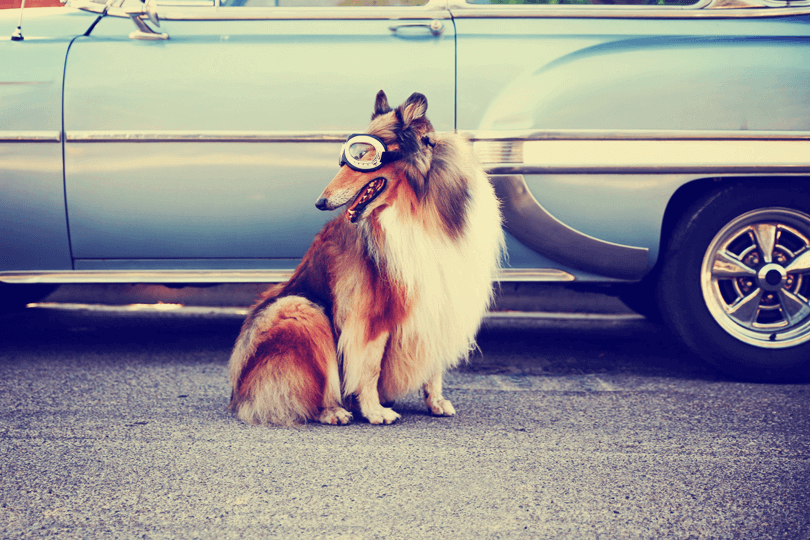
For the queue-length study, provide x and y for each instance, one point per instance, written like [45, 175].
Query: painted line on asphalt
[243, 311]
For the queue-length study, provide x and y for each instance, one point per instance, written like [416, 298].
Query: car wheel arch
[694, 191]
[687, 198]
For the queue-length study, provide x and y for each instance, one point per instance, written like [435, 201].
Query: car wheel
[735, 281]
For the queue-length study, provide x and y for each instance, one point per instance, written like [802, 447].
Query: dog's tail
[283, 369]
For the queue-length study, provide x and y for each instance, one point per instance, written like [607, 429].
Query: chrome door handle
[435, 26]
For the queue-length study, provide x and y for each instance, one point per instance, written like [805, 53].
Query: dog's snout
[322, 203]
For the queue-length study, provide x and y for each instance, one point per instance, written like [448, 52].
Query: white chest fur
[449, 279]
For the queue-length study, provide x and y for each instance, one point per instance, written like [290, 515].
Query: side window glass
[589, 2]
[321, 3]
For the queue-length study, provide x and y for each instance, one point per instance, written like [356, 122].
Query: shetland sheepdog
[392, 291]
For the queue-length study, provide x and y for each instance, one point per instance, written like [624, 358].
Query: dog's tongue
[368, 193]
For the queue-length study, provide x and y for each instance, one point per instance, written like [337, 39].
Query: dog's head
[393, 154]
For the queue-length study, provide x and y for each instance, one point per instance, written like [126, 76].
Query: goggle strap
[390, 157]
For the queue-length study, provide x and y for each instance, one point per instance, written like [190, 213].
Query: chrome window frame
[460, 9]
[433, 9]
[703, 9]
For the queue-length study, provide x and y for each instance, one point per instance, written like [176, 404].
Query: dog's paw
[381, 415]
[440, 407]
[335, 416]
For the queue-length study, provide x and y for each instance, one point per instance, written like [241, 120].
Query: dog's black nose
[321, 204]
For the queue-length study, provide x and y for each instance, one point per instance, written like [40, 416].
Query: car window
[321, 3]
[589, 2]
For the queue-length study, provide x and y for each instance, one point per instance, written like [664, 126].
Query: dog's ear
[414, 109]
[413, 124]
[380, 105]
[413, 137]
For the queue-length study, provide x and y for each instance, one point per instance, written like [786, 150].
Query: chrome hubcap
[755, 278]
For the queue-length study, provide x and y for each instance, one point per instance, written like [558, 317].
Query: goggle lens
[361, 151]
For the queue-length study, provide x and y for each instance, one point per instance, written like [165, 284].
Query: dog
[392, 291]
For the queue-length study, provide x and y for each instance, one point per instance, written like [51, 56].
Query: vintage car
[661, 149]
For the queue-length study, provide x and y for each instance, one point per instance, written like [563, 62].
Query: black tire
[745, 323]
[16, 297]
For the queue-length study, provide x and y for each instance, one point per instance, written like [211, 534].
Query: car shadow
[600, 345]
[118, 336]
[514, 346]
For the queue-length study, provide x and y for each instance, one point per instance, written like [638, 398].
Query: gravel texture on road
[114, 425]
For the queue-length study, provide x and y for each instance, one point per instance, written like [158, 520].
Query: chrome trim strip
[529, 222]
[656, 156]
[634, 135]
[545, 152]
[220, 276]
[534, 274]
[95, 136]
[15, 83]
[206, 136]
[146, 276]
[559, 151]
[30, 136]
[495, 169]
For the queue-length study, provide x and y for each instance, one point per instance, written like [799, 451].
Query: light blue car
[662, 150]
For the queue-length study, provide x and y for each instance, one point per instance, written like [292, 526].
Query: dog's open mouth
[364, 198]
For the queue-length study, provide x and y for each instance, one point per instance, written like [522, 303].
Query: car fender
[667, 93]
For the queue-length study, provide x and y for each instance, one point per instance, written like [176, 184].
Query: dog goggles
[366, 153]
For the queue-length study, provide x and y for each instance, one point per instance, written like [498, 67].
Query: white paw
[335, 416]
[440, 407]
[381, 415]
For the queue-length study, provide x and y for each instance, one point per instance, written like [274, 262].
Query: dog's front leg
[434, 400]
[361, 372]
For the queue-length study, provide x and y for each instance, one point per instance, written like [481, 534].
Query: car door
[205, 145]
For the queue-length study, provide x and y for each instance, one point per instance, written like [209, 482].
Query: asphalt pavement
[113, 424]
